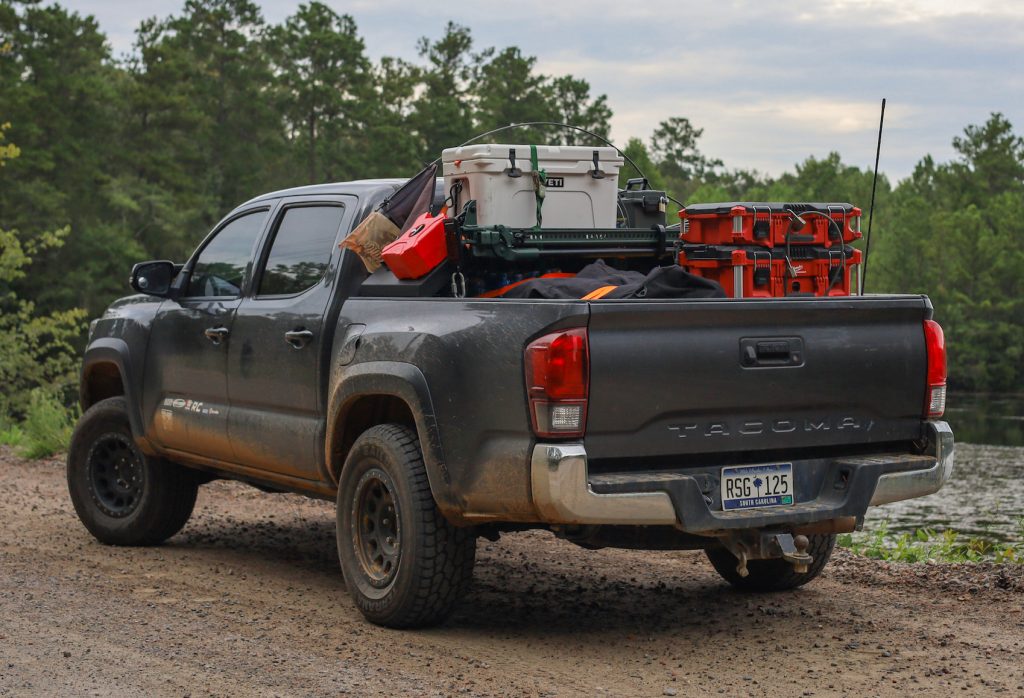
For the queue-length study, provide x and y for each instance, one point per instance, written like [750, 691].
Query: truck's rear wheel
[772, 575]
[404, 564]
[123, 496]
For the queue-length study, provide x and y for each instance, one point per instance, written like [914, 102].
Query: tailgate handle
[773, 350]
[781, 351]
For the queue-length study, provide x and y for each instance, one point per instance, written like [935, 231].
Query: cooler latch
[512, 170]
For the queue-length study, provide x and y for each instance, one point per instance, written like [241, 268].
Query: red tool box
[753, 272]
[770, 224]
[419, 249]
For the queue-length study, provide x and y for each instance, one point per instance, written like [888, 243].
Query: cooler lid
[500, 151]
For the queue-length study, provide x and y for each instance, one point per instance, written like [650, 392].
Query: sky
[769, 81]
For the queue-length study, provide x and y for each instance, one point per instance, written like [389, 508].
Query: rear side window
[301, 249]
[221, 265]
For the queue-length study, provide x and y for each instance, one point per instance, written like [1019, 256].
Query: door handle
[216, 334]
[298, 338]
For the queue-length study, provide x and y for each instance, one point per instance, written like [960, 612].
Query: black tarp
[660, 282]
[412, 198]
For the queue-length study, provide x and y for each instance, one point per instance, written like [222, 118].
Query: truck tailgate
[703, 377]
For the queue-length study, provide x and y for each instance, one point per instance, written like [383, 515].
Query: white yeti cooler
[582, 187]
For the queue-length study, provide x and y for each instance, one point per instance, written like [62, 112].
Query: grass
[931, 545]
[11, 435]
[46, 429]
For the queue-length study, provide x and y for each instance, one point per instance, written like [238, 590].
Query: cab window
[301, 249]
[220, 268]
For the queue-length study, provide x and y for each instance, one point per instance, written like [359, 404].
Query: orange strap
[501, 291]
[599, 293]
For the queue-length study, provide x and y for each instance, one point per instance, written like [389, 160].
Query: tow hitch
[756, 545]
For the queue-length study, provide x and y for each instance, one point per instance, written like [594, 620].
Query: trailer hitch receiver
[760, 545]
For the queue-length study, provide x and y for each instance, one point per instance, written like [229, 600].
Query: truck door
[279, 340]
[186, 359]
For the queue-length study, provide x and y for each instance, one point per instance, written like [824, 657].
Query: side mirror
[153, 278]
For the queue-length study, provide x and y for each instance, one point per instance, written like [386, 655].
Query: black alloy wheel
[122, 495]
[376, 528]
[116, 475]
[405, 565]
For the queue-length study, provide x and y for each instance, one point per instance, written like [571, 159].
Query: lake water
[985, 496]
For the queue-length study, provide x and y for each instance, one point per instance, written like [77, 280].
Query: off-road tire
[434, 564]
[772, 575]
[158, 496]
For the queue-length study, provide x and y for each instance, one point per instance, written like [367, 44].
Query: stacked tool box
[770, 250]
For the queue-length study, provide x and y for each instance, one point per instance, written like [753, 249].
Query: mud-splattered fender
[112, 350]
[407, 383]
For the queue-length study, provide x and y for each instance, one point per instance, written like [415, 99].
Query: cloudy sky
[770, 81]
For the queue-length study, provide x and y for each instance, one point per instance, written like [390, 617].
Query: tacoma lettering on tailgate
[756, 427]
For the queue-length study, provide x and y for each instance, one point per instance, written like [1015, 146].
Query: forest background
[108, 161]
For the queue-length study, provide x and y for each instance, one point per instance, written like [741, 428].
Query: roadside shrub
[11, 435]
[47, 426]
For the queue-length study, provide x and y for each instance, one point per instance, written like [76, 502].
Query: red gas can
[418, 250]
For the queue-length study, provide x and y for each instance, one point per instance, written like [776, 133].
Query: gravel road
[248, 600]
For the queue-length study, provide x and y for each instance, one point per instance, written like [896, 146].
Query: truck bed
[672, 382]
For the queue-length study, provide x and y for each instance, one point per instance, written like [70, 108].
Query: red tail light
[557, 381]
[935, 343]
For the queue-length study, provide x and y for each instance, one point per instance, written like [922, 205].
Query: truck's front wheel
[773, 575]
[123, 496]
[404, 564]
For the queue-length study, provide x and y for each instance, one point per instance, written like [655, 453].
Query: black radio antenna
[871, 210]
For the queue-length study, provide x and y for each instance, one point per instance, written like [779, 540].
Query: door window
[221, 265]
[301, 249]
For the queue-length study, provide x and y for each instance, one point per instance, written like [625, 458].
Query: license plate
[754, 486]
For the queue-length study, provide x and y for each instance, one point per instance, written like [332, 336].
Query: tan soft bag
[370, 237]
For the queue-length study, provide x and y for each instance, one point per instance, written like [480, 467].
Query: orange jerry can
[419, 250]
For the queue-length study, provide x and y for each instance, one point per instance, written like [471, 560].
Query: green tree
[674, 148]
[508, 91]
[954, 234]
[383, 142]
[443, 114]
[638, 153]
[60, 92]
[321, 72]
[825, 179]
[573, 105]
[36, 349]
[227, 77]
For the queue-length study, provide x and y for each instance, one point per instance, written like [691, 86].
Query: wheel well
[102, 381]
[361, 414]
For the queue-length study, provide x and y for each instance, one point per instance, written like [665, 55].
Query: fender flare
[406, 382]
[111, 350]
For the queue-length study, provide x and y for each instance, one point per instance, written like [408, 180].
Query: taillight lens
[935, 343]
[557, 378]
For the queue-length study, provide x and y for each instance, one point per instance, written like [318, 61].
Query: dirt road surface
[248, 600]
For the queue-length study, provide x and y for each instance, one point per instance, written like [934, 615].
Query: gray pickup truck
[753, 429]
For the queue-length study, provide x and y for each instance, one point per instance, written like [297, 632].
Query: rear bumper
[565, 493]
[895, 487]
